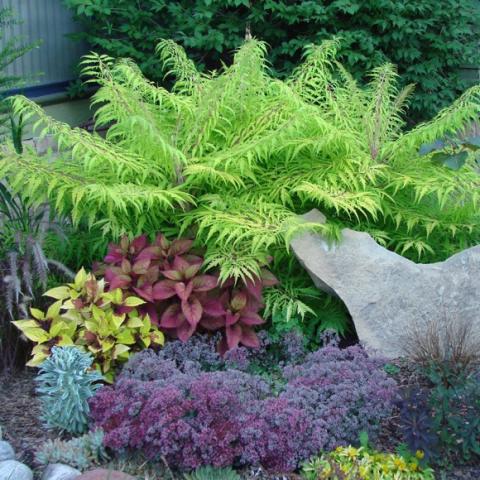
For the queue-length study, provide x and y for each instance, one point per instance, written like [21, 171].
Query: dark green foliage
[456, 419]
[428, 41]
[23, 262]
[416, 422]
[443, 419]
[452, 152]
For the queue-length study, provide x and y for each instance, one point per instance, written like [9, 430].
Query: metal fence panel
[49, 21]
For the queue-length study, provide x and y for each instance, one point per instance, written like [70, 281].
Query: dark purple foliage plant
[167, 406]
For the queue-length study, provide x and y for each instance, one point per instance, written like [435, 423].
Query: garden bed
[200, 345]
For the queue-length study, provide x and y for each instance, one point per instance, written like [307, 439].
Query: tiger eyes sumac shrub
[194, 418]
[428, 43]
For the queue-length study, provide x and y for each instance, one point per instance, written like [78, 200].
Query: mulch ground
[19, 415]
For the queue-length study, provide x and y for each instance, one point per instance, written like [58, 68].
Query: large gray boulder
[13, 470]
[391, 299]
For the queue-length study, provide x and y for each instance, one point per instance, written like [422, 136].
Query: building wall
[57, 56]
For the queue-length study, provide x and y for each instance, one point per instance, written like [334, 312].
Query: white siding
[50, 22]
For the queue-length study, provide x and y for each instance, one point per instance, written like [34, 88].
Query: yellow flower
[419, 454]
[363, 472]
[351, 452]
[413, 466]
[400, 463]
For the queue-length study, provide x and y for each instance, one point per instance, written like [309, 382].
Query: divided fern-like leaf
[235, 155]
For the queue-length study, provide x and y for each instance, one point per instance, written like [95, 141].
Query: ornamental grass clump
[190, 417]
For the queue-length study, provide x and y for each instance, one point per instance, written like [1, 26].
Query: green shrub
[428, 43]
[237, 155]
[65, 384]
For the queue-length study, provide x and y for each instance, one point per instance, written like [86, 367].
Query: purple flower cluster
[192, 417]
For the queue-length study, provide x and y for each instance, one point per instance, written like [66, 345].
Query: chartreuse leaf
[80, 278]
[38, 314]
[21, 324]
[36, 334]
[133, 302]
[59, 293]
[135, 322]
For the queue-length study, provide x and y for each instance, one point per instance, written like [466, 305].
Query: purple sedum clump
[172, 408]
[343, 392]
[197, 354]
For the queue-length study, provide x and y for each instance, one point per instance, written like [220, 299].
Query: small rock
[59, 471]
[13, 470]
[103, 474]
[6, 451]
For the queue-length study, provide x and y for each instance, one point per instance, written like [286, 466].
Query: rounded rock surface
[13, 470]
[6, 451]
[59, 471]
[103, 474]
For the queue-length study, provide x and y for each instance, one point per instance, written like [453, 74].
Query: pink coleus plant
[179, 297]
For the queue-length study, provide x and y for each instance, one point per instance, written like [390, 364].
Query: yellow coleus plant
[47, 330]
[107, 324]
[349, 463]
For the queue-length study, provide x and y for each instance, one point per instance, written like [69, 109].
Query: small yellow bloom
[351, 452]
[400, 463]
[419, 454]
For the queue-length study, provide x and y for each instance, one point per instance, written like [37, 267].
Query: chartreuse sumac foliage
[169, 408]
[237, 154]
[65, 383]
[82, 452]
[179, 297]
[349, 463]
[105, 323]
